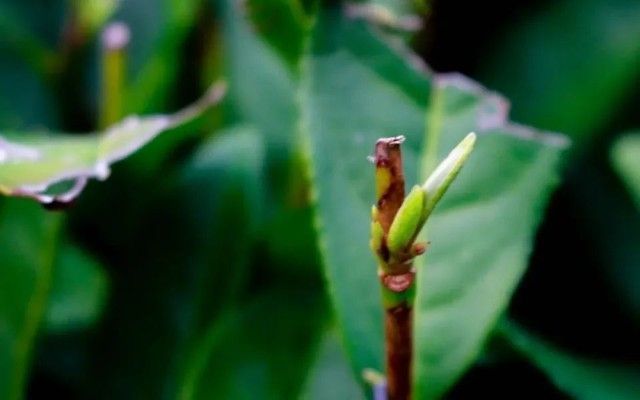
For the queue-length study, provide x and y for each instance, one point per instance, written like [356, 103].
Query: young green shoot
[396, 222]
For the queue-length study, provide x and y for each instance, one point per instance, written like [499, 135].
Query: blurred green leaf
[158, 31]
[28, 238]
[78, 291]
[481, 233]
[610, 218]
[262, 351]
[35, 107]
[473, 265]
[283, 24]
[581, 378]
[331, 377]
[192, 264]
[265, 97]
[25, 60]
[92, 14]
[625, 155]
[396, 17]
[31, 162]
[570, 65]
[44, 20]
[76, 302]
[17, 39]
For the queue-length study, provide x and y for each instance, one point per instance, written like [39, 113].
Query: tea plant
[229, 254]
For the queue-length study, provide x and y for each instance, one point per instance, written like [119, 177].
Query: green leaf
[92, 14]
[199, 233]
[330, 377]
[283, 24]
[396, 17]
[570, 43]
[579, 377]
[406, 224]
[76, 301]
[385, 97]
[78, 291]
[625, 156]
[30, 163]
[261, 351]
[28, 237]
[388, 94]
[158, 29]
[290, 231]
[22, 41]
[446, 172]
[608, 219]
[25, 61]
[43, 20]
[251, 87]
[481, 232]
[36, 104]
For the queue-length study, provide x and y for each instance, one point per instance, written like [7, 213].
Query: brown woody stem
[395, 224]
[398, 327]
[389, 179]
[396, 275]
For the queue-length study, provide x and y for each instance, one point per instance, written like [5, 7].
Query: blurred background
[193, 271]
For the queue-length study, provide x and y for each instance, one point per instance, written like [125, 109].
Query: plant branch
[396, 274]
[395, 224]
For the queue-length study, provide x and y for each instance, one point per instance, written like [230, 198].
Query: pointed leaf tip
[441, 178]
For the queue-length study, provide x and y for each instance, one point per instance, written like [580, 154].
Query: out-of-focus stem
[115, 39]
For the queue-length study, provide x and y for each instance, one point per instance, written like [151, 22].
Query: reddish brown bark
[398, 328]
[390, 196]
[395, 275]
